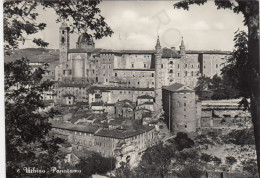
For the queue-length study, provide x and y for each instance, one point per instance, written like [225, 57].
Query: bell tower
[64, 44]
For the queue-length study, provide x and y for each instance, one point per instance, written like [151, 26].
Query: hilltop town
[121, 102]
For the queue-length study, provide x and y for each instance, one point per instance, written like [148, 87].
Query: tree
[250, 166]
[124, 171]
[156, 160]
[215, 88]
[20, 20]
[191, 171]
[182, 141]
[27, 127]
[202, 87]
[230, 160]
[94, 164]
[250, 11]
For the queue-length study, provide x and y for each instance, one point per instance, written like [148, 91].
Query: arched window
[62, 39]
[171, 71]
[171, 62]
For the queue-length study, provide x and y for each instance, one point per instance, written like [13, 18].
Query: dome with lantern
[85, 41]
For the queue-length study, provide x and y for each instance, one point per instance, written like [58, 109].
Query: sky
[136, 25]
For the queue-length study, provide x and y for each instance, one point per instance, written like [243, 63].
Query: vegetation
[182, 141]
[156, 160]
[243, 67]
[240, 137]
[215, 88]
[27, 127]
[20, 20]
[26, 117]
[250, 167]
[95, 164]
[231, 160]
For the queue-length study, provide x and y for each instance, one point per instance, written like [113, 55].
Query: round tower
[179, 104]
[158, 71]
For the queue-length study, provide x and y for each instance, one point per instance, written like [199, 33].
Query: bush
[240, 137]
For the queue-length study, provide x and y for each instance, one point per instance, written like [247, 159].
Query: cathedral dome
[85, 41]
[85, 38]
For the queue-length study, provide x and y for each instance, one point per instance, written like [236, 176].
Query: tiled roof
[123, 133]
[143, 109]
[169, 53]
[207, 52]
[147, 114]
[146, 103]
[123, 88]
[72, 127]
[74, 120]
[99, 50]
[145, 97]
[125, 103]
[73, 85]
[134, 51]
[177, 87]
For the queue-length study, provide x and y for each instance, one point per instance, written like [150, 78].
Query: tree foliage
[95, 164]
[182, 141]
[243, 50]
[156, 160]
[250, 166]
[231, 160]
[26, 117]
[27, 127]
[215, 88]
[240, 137]
[20, 20]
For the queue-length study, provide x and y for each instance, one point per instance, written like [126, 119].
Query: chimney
[172, 48]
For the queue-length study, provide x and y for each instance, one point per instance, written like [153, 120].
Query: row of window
[186, 66]
[133, 65]
[192, 73]
[133, 74]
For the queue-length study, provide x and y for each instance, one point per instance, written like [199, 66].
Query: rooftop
[145, 97]
[72, 127]
[73, 85]
[119, 133]
[169, 53]
[177, 87]
[123, 133]
[207, 52]
[122, 88]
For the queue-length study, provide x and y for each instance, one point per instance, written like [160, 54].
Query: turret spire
[158, 46]
[182, 48]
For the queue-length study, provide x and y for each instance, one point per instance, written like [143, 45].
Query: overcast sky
[136, 25]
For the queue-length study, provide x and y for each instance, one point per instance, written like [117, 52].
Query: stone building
[124, 109]
[133, 68]
[120, 142]
[179, 105]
